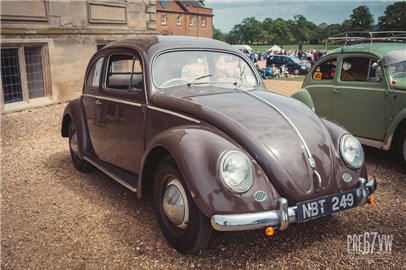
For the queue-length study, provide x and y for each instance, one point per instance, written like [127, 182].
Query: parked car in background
[292, 63]
[190, 120]
[362, 86]
[246, 49]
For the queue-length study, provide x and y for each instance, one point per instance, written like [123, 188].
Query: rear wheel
[184, 226]
[80, 164]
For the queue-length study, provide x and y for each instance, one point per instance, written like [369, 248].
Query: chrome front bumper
[280, 218]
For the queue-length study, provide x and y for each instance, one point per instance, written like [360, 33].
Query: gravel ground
[53, 217]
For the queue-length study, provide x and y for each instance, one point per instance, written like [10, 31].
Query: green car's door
[320, 84]
[359, 97]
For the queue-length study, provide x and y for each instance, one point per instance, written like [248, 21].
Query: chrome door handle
[98, 102]
[336, 91]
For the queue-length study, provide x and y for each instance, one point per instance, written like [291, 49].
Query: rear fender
[197, 151]
[304, 96]
[74, 113]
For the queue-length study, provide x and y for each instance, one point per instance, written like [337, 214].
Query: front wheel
[184, 226]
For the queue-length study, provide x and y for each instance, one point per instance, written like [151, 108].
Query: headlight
[351, 151]
[236, 171]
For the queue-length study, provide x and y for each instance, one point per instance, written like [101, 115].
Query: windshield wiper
[198, 78]
[240, 78]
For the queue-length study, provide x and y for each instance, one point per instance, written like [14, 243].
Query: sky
[228, 13]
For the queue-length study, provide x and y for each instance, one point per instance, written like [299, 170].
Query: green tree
[217, 34]
[361, 19]
[346, 26]
[394, 18]
[301, 29]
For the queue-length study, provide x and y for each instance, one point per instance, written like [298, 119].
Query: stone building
[184, 18]
[46, 44]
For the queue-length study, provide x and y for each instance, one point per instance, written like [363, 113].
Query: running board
[125, 179]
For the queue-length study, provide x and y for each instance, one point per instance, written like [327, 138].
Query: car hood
[271, 128]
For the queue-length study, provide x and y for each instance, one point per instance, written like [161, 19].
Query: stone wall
[69, 33]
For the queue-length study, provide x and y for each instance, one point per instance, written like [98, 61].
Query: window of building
[19, 82]
[191, 22]
[203, 22]
[179, 20]
[163, 19]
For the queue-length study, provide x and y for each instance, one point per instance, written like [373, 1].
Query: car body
[292, 63]
[362, 86]
[190, 119]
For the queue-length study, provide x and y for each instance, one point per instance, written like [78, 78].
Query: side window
[93, 77]
[360, 69]
[124, 72]
[325, 71]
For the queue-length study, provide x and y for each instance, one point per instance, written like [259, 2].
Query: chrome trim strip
[173, 113]
[281, 217]
[114, 100]
[133, 189]
[346, 87]
[310, 158]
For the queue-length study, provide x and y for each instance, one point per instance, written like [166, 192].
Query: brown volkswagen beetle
[190, 119]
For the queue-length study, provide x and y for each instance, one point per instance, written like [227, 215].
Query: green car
[362, 86]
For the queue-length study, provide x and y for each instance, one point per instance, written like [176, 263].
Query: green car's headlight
[351, 151]
[236, 171]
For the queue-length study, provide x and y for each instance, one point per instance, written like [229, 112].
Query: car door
[320, 85]
[115, 116]
[359, 97]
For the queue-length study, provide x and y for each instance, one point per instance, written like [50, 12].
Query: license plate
[325, 206]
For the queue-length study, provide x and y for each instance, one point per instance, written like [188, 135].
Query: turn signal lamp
[372, 201]
[269, 231]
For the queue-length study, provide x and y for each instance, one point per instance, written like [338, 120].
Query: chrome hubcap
[74, 144]
[175, 204]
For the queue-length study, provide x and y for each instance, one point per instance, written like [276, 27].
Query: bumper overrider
[281, 217]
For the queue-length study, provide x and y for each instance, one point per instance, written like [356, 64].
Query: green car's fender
[304, 96]
[398, 122]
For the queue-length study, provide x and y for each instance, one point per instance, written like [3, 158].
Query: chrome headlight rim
[246, 184]
[350, 164]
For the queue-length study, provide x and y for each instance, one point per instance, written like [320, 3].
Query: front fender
[197, 151]
[400, 117]
[74, 113]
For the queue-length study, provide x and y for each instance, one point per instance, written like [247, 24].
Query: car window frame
[123, 93]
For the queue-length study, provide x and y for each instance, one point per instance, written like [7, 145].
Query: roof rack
[351, 38]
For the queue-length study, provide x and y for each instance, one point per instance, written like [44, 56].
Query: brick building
[184, 18]
[46, 44]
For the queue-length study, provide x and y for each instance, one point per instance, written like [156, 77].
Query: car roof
[377, 49]
[153, 44]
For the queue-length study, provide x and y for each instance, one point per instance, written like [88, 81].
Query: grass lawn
[291, 78]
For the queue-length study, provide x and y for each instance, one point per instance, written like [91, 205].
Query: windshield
[202, 67]
[398, 70]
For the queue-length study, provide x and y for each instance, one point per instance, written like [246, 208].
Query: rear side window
[124, 72]
[325, 71]
[93, 77]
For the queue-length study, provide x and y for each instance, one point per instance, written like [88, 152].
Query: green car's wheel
[400, 147]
